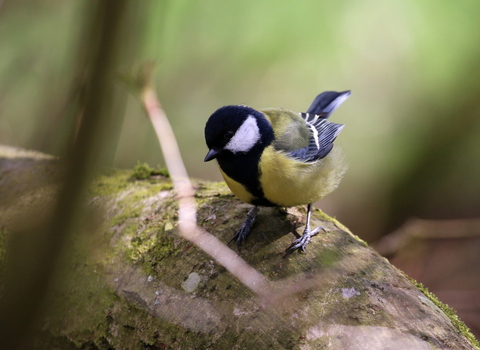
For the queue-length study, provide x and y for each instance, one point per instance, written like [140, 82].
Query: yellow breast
[288, 182]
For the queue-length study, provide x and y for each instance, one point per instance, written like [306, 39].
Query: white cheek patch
[246, 136]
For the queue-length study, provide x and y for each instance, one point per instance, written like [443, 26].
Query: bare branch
[188, 228]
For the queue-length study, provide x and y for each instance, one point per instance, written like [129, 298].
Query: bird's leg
[301, 243]
[242, 233]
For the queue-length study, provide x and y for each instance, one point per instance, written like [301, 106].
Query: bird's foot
[300, 243]
[244, 230]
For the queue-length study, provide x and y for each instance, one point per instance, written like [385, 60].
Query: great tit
[277, 157]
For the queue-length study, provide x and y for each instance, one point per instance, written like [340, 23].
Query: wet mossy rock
[135, 284]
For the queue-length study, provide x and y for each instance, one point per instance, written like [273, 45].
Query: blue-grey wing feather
[323, 133]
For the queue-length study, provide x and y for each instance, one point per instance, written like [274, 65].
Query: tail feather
[325, 103]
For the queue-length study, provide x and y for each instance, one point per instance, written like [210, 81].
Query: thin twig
[427, 229]
[187, 211]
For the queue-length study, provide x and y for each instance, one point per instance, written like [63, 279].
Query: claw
[301, 243]
[244, 230]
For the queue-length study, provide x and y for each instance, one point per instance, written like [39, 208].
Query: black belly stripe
[243, 168]
[263, 202]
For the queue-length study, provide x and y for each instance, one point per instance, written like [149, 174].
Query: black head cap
[222, 127]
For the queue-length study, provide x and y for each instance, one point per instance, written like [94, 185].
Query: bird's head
[234, 130]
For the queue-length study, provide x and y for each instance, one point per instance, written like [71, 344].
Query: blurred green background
[412, 123]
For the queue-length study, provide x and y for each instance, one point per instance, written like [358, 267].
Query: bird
[278, 157]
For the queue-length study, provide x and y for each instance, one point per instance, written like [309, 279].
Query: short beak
[212, 154]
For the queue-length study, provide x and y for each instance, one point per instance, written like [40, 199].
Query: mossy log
[131, 282]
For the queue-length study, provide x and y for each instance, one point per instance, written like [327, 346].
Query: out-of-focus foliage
[412, 122]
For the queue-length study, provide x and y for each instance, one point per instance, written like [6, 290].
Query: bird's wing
[322, 132]
[291, 132]
[322, 135]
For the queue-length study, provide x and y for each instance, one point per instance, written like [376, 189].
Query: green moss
[163, 186]
[149, 246]
[143, 171]
[126, 214]
[330, 257]
[213, 189]
[113, 181]
[164, 247]
[338, 224]
[451, 314]
[161, 171]
[143, 221]
[142, 216]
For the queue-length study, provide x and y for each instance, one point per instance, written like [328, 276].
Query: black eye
[228, 135]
